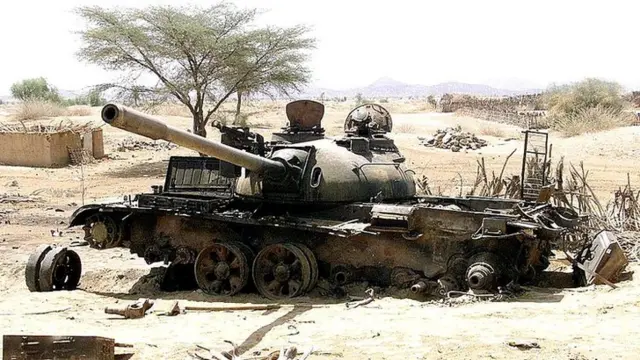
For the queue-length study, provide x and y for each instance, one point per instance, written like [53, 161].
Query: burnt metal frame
[524, 157]
[220, 188]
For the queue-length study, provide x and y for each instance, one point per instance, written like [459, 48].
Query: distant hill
[390, 88]
[387, 87]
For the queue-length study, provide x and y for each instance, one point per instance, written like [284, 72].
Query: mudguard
[82, 213]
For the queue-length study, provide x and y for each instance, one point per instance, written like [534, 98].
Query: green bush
[589, 93]
[35, 89]
[590, 105]
[92, 98]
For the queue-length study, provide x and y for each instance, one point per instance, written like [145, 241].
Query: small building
[50, 147]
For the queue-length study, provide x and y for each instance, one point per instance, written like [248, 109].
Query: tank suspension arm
[139, 123]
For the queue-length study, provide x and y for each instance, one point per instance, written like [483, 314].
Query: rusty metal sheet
[18, 347]
[605, 257]
[399, 217]
[305, 114]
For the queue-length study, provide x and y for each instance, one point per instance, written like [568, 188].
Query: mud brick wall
[38, 149]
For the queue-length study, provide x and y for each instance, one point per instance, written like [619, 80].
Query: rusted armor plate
[19, 347]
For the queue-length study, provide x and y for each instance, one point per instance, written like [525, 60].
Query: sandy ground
[566, 323]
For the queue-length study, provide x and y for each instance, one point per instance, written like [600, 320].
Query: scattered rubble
[454, 139]
[129, 144]
[524, 344]
[132, 311]
[14, 199]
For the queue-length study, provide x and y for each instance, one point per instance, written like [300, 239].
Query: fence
[524, 119]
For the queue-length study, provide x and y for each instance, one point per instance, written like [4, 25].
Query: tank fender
[82, 213]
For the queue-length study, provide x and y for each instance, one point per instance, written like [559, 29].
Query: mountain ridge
[388, 87]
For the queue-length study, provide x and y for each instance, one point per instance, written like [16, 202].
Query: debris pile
[129, 144]
[14, 199]
[51, 128]
[454, 139]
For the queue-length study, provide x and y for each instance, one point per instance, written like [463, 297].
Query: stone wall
[523, 110]
[454, 102]
[525, 119]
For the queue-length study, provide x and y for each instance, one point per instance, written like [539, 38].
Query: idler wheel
[223, 268]
[340, 275]
[313, 264]
[281, 271]
[481, 276]
[102, 231]
[60, 270]
[32, 271]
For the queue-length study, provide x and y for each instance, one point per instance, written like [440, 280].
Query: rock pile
[454, 139]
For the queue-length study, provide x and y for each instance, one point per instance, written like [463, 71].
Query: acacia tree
[285, 70]
[199, 56]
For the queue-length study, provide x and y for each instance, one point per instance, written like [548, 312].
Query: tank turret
[361, 166]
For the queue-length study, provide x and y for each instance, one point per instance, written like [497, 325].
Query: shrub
[35, 109]
[590, 120]
[589, 93]
[35, 89]
[91, 98]
[492, 131]
[588, 106]
[78, 110]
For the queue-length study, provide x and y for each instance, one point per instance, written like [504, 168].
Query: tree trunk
[199, 127]
[238, 107]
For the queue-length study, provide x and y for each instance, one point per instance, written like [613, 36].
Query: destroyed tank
[277, 217]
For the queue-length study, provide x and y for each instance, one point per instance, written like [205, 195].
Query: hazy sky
[425, 42]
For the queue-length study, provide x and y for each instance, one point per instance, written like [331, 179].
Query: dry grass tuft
[169, 109]
[33, 110]
[78, 110]
[591, 120]
[407, 107]
[405, 129]
[492, 131]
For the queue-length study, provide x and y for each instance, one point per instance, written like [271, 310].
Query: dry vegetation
[592, 120]
[405, 129]
[168, 109]
[492, 131]
[408, 106]
[588, 106]
[35, 110]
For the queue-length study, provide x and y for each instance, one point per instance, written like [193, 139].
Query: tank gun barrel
[142, 124]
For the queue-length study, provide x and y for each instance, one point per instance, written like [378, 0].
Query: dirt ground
[566, 323]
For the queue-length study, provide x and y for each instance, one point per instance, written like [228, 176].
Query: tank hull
[430, 240]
